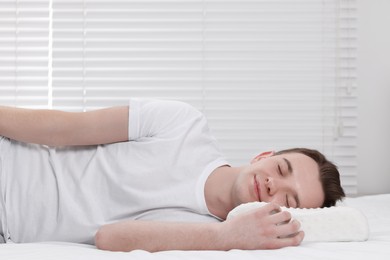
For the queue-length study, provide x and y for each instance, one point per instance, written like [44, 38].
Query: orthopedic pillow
[322, 224]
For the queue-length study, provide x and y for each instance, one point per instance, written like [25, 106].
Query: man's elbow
[103, 240]
[107, 238]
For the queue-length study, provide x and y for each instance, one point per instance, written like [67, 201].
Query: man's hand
[263, 228]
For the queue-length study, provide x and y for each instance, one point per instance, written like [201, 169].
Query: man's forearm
[159, 236]
[258, 229]
[35, 126]
[59, 128]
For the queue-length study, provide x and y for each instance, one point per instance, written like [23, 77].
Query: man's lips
[257, 189]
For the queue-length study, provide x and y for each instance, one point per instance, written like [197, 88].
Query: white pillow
[322, 224]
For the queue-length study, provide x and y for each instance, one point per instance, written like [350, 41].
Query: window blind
[268, 75]
[24, 27]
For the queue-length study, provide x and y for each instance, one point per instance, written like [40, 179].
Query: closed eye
[280, 170]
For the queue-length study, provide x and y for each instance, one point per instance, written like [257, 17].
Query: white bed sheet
[376, 208]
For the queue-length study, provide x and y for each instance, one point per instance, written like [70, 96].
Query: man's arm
[258, 229]
[58, 128]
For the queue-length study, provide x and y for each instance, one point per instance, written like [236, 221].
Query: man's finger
[288, 230]
[286, 241]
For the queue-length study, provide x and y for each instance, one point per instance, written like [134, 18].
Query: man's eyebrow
[290, 170]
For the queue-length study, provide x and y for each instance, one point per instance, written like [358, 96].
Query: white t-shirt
[67, 193]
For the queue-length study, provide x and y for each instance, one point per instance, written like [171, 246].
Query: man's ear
[263, 155]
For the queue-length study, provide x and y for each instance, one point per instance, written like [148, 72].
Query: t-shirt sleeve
[151, 118]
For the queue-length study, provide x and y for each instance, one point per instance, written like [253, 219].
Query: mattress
[376, 208]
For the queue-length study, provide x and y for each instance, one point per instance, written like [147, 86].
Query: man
[147, 176]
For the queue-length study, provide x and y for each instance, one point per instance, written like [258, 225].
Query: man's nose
[270, 186]
[273, 185]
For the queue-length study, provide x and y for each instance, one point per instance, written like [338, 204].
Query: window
[269, 75]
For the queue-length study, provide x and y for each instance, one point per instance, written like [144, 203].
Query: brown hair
[329, 175]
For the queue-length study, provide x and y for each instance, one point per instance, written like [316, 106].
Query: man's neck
[218, 190]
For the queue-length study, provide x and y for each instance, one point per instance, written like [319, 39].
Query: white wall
[374, 97]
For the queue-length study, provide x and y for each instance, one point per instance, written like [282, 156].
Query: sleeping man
[148, 176]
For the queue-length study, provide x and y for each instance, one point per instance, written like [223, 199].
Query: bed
[375, 207]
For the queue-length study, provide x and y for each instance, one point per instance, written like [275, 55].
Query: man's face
[290, 180]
